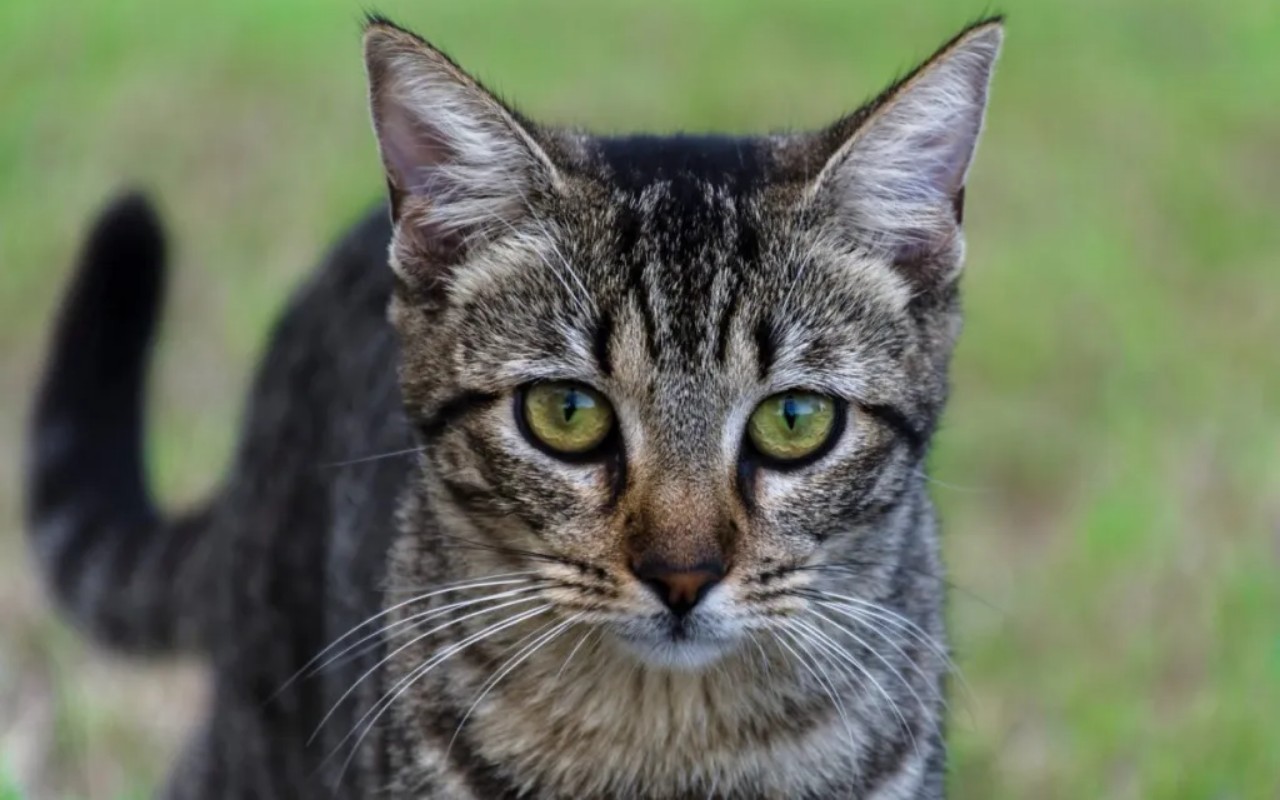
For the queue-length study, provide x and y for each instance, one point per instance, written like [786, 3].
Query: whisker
[378, 457]
[849, 605]
[924, 709]
[415, 620]
[518, 643]
[453, 587]
[853, 662]
[850, 567]
[404, 647]
[886, 614]
[574, 651]
[866, 619]
[889, 616]
[416, 674]
[765, 665]
[824, 682]
[952, 486]
[505, 670]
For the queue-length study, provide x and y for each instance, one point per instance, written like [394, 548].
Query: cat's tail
[130, 577]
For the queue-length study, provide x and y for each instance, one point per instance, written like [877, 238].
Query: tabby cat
[622, 498]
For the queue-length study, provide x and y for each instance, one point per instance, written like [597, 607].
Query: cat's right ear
[460, 166]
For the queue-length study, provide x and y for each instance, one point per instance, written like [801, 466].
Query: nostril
[680, 589]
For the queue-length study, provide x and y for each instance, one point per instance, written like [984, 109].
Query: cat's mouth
[684, 643]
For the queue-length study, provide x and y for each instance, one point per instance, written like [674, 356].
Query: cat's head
[683, 379]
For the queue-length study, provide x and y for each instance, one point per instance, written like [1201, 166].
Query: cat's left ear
[895, 179]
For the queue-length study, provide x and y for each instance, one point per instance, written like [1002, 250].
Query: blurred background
[1109, 470]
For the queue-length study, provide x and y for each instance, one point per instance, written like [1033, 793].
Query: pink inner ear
[946, 155]
[411, 149]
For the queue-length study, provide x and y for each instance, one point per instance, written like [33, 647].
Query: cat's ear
[460, 166]
[896, 176]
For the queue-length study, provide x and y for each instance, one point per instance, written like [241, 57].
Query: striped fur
[401, 595]
[108, 553]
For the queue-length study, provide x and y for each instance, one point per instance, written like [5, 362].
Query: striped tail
[129, 577]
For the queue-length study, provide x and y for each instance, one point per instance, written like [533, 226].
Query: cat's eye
[793, 426]
[567, 418]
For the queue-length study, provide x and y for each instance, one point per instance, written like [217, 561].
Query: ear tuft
[459, 164]
[897, 178]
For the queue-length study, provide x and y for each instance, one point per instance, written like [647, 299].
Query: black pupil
[790, 411]
[571, 405]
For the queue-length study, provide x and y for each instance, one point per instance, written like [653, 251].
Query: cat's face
[678, 380]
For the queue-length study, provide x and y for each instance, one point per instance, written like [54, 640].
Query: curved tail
[124, 573]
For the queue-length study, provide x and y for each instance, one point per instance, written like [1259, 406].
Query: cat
[610, 486]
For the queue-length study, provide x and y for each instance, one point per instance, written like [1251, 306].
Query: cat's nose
[681, 589]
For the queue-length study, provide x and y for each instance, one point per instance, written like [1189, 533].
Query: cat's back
[324, 397]
[324, 453]
[325, 414]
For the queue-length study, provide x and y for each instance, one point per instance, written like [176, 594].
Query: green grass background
[1109, 471]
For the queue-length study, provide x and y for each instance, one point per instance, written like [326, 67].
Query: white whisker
[416, 674]
[367, 459]
[766, 666]
[909, 627]
[477, 583]
[511, 663]
[827, 685]
[415, 620]
[843, 653]
[574, 651]
[924, 709]
[866, 620]
[404, 647]
[952, 486]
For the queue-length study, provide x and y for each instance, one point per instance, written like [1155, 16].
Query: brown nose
[680, 589]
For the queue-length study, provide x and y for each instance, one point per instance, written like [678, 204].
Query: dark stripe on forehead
[627, 224]
[600, 343]
[748, 254]
[639, 161]
[766, 338]
[639, 290]
[726, 319]
[682, 219]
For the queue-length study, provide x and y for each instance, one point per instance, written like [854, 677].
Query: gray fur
[382, 466]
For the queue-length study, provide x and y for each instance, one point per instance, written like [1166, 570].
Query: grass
[1109, 472]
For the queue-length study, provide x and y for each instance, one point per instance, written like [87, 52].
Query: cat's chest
[624, 733]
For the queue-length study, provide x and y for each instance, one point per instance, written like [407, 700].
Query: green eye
[567, 418]
[792, 425]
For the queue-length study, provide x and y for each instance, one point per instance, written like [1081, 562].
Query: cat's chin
[682, 653]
